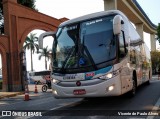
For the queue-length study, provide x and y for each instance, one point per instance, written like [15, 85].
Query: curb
[9, 94]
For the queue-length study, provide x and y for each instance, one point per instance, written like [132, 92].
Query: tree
[27, 3]
[158, 33]
[155, 58]
[31, 44]
[45, 52]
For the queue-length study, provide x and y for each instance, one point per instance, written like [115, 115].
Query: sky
[69, 8]
[151, 9]
[75, 8]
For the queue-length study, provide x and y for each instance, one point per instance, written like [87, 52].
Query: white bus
[97, 55]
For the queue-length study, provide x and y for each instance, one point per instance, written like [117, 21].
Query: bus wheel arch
[134, 82]
[134, 77]
[148, 82]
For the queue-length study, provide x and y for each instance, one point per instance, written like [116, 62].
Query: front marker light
[110, 88]
[55, 92]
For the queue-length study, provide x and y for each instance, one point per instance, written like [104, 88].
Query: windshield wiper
[68, 56]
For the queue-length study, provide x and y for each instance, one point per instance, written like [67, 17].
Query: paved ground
[97, 108]
[31, 92]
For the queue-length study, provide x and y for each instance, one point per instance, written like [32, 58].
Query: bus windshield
[84, 45]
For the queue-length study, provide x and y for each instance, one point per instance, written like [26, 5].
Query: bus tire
[134, 88]
[148, 82]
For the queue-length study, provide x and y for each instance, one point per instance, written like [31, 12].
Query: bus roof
[91, 16]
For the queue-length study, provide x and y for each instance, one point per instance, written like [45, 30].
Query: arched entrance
[4, 56]
[19, 21]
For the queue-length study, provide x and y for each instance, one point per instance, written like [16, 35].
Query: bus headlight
[55, 81]
[109, 75]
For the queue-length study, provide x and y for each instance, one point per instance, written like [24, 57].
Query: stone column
[139, 28]
[153, 42]
[110, 5]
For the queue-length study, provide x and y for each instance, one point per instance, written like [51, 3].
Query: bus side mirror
[42, 36]
[117, 24]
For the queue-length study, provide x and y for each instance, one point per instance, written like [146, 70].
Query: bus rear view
[91, 58]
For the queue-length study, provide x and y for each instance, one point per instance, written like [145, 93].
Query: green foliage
[155, 58]
[158, 33]
[45, 52]
[28, 3]
[31, 44]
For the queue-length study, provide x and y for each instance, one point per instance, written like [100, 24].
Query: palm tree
[45, 52]
[31, 44]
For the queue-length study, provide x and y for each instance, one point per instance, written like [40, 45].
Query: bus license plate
[79, 92]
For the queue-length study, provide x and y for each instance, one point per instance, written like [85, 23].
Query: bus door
[123, 59]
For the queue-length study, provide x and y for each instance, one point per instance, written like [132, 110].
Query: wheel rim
[44, 88]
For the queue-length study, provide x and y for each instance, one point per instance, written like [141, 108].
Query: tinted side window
[122, 50]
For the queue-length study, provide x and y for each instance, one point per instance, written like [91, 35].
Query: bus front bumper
[111, 87]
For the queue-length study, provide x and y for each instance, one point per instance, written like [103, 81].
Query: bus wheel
[133, 91]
